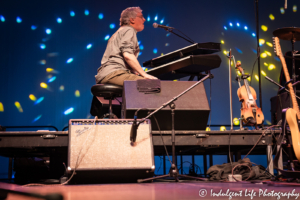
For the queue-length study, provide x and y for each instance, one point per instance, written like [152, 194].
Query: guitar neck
[290, 86]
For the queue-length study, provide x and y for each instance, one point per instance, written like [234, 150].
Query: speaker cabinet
[100, 151]
[191, 112]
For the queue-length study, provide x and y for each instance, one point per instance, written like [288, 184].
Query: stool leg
[110, 109]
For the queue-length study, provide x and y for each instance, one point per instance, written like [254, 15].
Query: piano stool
[108, 92]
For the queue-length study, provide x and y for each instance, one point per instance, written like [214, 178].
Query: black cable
[229, 154]
[253, 68]
[185, 35]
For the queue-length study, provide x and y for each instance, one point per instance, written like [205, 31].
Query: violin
[251, 114]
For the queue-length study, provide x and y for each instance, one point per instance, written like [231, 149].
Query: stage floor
[162, 190]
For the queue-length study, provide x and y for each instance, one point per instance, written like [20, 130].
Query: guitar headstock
[277, 48]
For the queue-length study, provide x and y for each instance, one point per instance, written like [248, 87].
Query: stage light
[238, 50]
[72, 13]
[277, 59]
[238, 24]
[148, 18]
[167, 44]
[261, 41]
[266, 64]
[253, 34]
[249, 78]
[33, 27]
[69, 60]
[230, 24]
[254, 51]
[263, 55]
[222, 42]
[50, 70]
[37, 118]
[59, 20]
[1, 107]
[162, 21]
[245, 27]
[39, 100]
[106, 37]
[86, 12]
[225, 27]
[19, 107]
[271, 17]
[294, 8]
[112, 26]
[43, 85]
[236, 121]
[225, 52]
[43, 46]
[77, 93]
[32, 97]
[268, 53]
[89, 46]
[48, 31]
[155, 50]
[42, 62]
[69, 111]
[282, 10]
[271, 67]
[264, 28]
[222, 128]
[256, 77]
[141, 47]
[263, 73]
[155, 18]
[2, 18]
[100, 16]
[140, 53]
[51, 79]
[269, 44]
[168, 34]
[19, 20]
[207, 129]
[61, 88]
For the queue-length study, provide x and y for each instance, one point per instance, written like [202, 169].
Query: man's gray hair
[128, 13]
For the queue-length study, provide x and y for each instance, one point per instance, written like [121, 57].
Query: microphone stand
[173, 172]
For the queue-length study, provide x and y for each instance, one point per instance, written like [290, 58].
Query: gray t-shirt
[124, 40]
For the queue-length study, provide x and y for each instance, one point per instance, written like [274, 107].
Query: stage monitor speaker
[101, 151]
[191, 112]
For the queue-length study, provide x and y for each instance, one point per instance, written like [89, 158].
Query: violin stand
[173, 172]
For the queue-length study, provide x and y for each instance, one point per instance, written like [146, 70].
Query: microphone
[133, 131]
[155, 25]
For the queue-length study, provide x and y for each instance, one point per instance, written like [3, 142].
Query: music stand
[173, 172]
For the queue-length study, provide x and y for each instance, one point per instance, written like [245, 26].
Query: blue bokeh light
[140, 53]
[100, 16]
[48, 31]
[43, 46]
[69, 60]
[2, 18]
[86, 12]
[148, 18]
[254, 51]
[141, 47]
[230, 24]
[89, 46]
[225, 27]
[238, 24]
[19, 20]
[69, 111]
[106, 37]
[155, 18]
[112, 26]
[72, 13]
[253, 34]
[33, 27]
[162, 21]
[59, 20]
[51, 79]
[37, 118]
[168, 34]
[155, 50]
[277, 59]
[246, 27]
[238, 50]
[39, 100]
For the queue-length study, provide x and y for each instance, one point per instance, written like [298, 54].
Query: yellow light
[49, 70]
[32, 97]
[146, 69]
[269, 44]
[43, 85]
[1, 107]
[263, 73]
[175, 80]
[268, 122]
[249, 78]
[264, 28]
[225, 52]
[266, 64]
[222, 128]
[271, 67]
[263, 55]
[62, 88]
[294, 8]
[207, 129]
[282, 10]
[262, 41]
[256, 77]
[268, 53]
[231, 63]
[162, 54]
[77, 93]
[18, 105]
[236, 121]
[271, 16]
[239, 73]
[222, 42]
